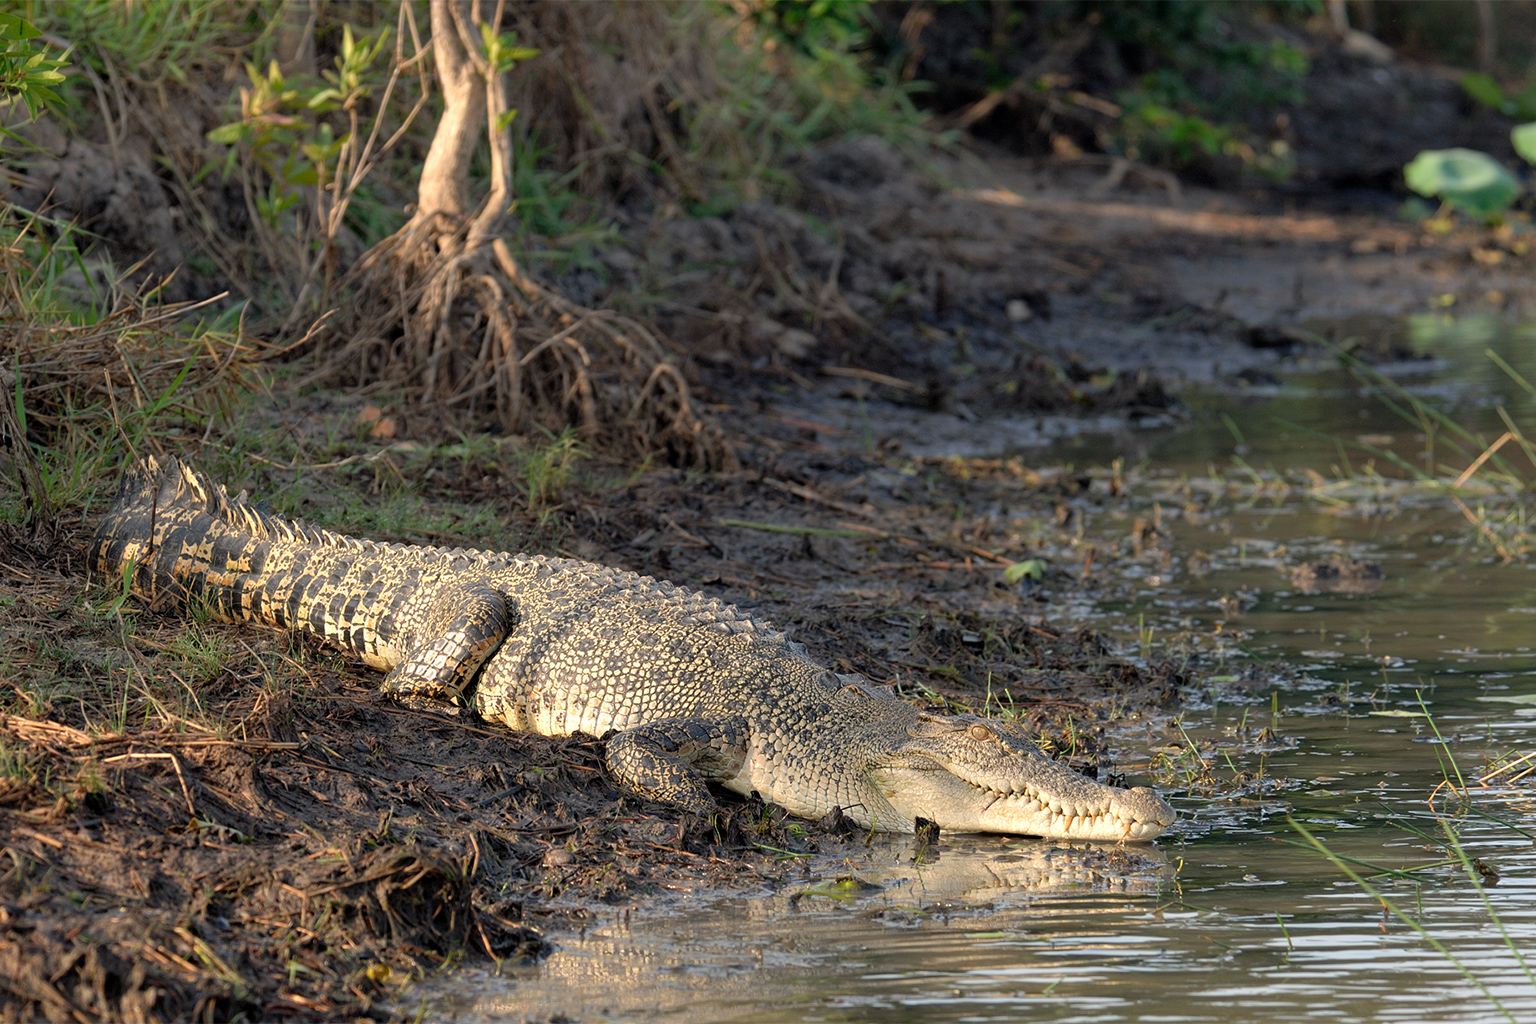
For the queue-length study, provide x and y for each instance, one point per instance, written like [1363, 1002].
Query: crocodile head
[970, 774]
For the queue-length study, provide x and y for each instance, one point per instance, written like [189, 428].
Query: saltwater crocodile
[686, 687]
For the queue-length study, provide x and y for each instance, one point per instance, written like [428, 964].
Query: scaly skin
[688, 688]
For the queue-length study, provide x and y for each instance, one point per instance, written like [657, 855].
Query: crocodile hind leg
[669, 760]
[461, 627]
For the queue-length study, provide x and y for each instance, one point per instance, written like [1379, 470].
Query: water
[1232, 918]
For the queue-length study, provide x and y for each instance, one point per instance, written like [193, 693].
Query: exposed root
[463, 332]
[457, 326]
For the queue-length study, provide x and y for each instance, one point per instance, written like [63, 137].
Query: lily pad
[1472, 182]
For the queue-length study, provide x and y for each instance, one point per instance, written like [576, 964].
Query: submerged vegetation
[1504, 516]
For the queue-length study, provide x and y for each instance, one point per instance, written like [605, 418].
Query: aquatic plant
[1492, 481]
[1502, 518]
[1468, 180]
[1458, 858]
[1450, 818]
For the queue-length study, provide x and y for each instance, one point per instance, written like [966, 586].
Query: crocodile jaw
[1090, 811]
[970, 774]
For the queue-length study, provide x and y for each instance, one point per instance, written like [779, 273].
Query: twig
[175, 763]
[34, 731]
[870, 375]
[46, 840]
[802, 491]
[694, 539]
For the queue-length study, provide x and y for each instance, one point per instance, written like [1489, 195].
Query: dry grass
[95, 371]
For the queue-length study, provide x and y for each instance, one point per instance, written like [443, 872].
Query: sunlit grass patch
[95, 375]
[147, 43]
[74, 678]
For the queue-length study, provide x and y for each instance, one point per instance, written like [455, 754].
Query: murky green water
[1231, 921]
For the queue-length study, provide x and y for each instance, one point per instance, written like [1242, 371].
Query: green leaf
[228, 134]
[1523, 106]
[13, 26]
[1483, 89]
[1034, 568]
[1470, 181]
[1524, 138]
[504, 119]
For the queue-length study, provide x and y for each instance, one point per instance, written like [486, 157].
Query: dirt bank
[207, 822]
[203, 822]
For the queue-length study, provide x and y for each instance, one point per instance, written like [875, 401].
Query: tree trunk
[1487, 37]
[444, 187]
[442, 311]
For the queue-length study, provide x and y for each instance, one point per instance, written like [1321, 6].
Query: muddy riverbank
[1384, 708]
[208, 822]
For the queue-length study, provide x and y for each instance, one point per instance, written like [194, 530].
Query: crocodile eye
[981, 732]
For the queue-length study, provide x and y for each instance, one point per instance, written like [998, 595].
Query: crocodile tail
[139, 485]
[154, 482]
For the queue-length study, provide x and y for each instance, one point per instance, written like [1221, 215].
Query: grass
[1491, 481]
[74, 677]
[93, 378]
[472, 490]
[96, 376]
[548, 468]
[1371, 877]
[149, 44]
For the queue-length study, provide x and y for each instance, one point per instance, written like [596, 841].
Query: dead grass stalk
[88, 383]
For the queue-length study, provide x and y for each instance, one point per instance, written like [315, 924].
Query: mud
[276, 839]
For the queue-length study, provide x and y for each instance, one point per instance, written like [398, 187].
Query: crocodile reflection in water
[691, 954]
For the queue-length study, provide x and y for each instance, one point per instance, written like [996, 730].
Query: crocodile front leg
[670, 760]
[460, 627]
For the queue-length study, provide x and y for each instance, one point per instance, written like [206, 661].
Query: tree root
[451, 320]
